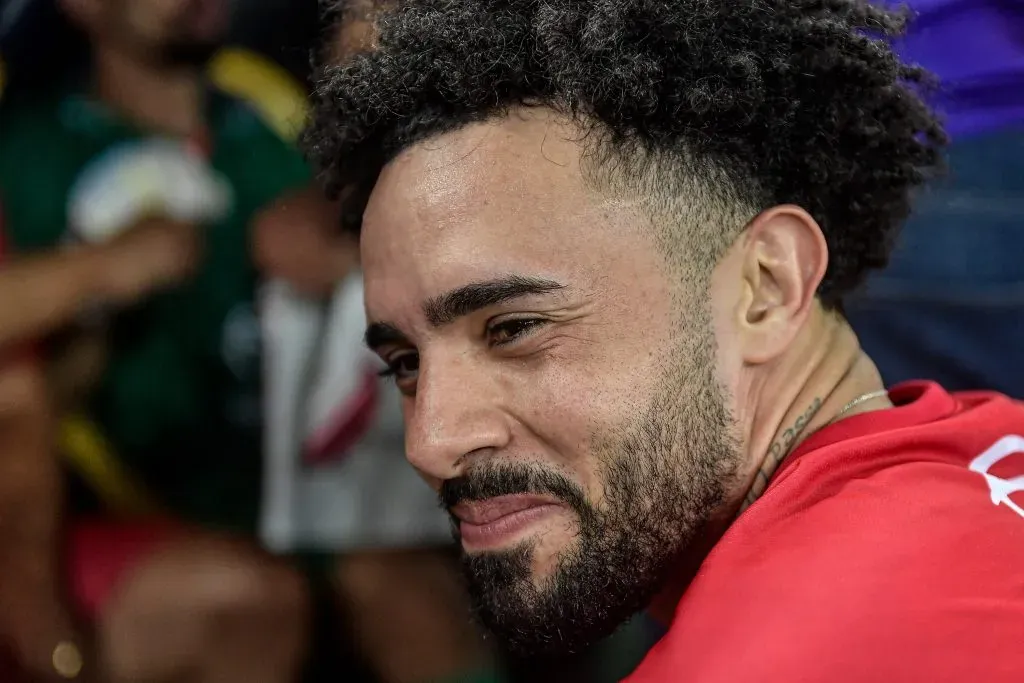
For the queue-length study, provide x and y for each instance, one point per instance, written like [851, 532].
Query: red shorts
[101, 553]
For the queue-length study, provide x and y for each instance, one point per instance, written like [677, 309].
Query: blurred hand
[297, 240]
[156, 254]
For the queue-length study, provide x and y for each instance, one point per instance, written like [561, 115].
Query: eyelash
[526, 326]
[390, 372]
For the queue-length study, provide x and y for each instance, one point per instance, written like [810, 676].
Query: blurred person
[346, 488]
[950, 306]
[130, 189]
[604, 247]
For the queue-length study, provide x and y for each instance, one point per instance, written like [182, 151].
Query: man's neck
[809, 389]
[165, 100]
[822, 375]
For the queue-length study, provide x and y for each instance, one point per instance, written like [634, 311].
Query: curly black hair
[766, 102]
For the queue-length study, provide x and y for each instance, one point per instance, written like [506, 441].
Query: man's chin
[530, 560]
[531, 611]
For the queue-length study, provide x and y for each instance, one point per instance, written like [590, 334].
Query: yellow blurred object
[271, 90]
[87, 451]
[277, 96]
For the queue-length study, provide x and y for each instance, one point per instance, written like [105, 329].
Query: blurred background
[201, 476]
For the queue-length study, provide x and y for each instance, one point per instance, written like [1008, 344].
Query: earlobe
[784, 259]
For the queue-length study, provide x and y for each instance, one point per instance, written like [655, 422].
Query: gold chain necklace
[857, 401]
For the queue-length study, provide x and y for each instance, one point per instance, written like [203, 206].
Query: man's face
[167, 31]
[558, 376]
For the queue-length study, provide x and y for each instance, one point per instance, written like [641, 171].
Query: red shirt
[888, 548]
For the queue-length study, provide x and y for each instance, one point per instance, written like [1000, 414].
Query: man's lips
[489, 510]
[494, 521]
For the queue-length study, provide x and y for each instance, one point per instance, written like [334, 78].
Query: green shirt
[180, 400]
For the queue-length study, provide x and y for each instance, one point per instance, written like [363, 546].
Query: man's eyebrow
[448, 307]
[384, 334]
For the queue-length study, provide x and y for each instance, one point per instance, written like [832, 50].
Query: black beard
[658, 498]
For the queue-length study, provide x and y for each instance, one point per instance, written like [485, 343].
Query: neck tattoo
[778, 451]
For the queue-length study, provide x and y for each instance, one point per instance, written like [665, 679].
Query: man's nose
[456, 412]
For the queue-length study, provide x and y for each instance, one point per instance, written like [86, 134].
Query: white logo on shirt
[1001, 489]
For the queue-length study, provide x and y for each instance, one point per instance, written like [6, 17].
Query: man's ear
[784, 257]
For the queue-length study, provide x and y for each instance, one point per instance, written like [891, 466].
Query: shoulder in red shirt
[889, 547]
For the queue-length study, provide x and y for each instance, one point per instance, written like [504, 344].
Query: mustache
[491, 481]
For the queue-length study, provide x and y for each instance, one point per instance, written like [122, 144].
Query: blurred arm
[33, 618]
[39, 294]
[42, 293]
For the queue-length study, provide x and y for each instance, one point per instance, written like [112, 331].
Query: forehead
[495, 198]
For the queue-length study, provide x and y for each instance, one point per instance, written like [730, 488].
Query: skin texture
[641, 395]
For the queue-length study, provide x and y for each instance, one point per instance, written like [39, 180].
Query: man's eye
[508, 331]
[402, 367]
